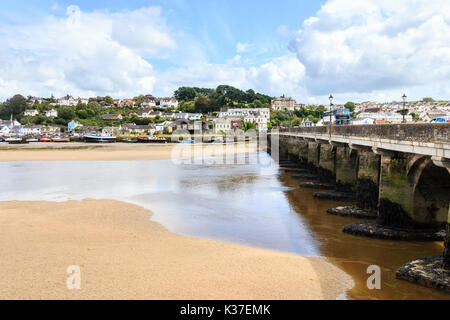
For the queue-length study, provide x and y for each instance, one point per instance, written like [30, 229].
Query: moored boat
[32, 140]
[45, 140]
[61, 140]
[128, 140]
[95, 138]
[151, 139]
[16, 141]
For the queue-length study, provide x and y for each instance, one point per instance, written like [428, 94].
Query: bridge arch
[431, 191]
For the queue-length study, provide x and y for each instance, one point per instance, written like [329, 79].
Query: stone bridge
[400, 172]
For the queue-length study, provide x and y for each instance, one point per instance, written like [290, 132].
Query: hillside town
[148, 115]
[376, 112]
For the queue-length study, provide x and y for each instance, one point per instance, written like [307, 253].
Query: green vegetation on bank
[204, 100]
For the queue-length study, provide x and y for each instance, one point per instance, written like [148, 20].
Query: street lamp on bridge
[404, 111]
[331, 108]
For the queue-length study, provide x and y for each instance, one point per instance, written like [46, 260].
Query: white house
[31, 113]
[10, 123]
[226, 124]
[259, 116]
[83, 100]
[195, 116]
[307, 123]
[178, 116]
[160, 127]
[31, 130]
[363, 121]
[261, 122]
[145, 114]
[51, 113]
[384, 117]
[67, 101]
[168, 103]
[50, 130]
[148, 103]
[241, 112]
[167, 115]
[37, 100]
[4, 130]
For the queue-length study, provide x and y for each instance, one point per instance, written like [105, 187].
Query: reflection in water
[240, 203]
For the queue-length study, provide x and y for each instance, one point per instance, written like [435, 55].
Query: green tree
[251, 95]
[350, 106]
[247, 125]
[428, 99]
[82, 114]
[108, 100]
[415, 116]
[95, 107]
[66, 113]
[187, 106]
[13, 106]
[202, 104]
[185, 94]
[258, 104]
[296, 121]
[138, 100]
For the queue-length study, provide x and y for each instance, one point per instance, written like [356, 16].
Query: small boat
[186, 141]
[61, 140]
[16, 141]
[128, 140]
[32, 140]
[95, 138]
[1, 139]
[151, 139]
[45, 140]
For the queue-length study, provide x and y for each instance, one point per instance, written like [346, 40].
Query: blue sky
[357, 50]
[220, 25]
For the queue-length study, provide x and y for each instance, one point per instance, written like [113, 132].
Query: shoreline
[124, 255]
[116, 152]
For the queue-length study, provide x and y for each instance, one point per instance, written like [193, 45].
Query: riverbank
[115, 152]
[124, 255]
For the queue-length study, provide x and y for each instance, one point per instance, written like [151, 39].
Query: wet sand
[124, 255]
[115, 152]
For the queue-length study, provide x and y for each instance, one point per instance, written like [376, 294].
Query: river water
[248, 204]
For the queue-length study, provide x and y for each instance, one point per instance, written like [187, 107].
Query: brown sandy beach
[113, 152]
[123, 255]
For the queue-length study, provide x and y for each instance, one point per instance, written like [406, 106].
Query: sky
[356, 50]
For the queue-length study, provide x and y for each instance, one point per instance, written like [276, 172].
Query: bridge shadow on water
[355, 254]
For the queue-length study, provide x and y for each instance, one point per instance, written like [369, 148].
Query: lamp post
[404, 111]
[331, 108]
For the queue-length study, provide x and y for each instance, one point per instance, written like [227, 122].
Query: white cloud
[243, 47]
[281, 75]
[83, 54]
[375, 46]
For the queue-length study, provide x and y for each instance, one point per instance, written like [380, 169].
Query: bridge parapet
[420, 132]
[424, 138]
